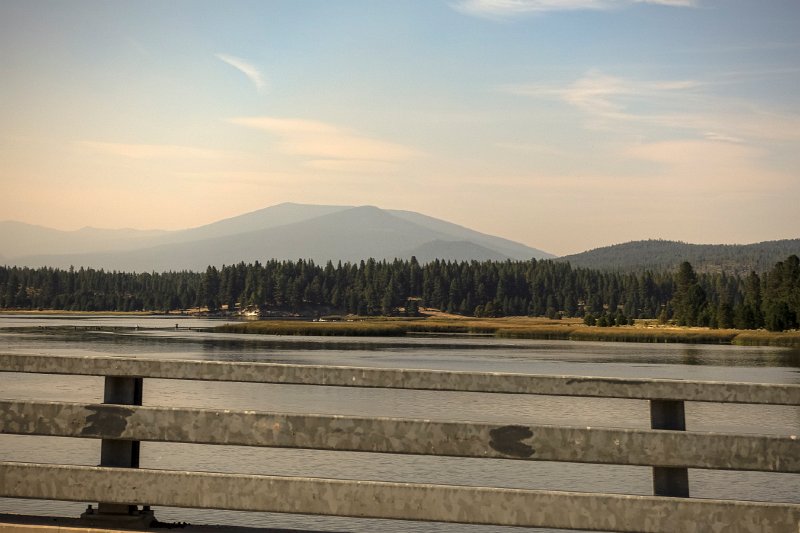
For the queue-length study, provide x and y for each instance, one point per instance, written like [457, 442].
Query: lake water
[158, 338]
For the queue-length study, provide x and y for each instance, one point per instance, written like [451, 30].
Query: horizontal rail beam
[405, 436]
[634, 388]
[373, 499]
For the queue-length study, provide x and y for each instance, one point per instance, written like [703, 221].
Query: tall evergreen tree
[690, 298]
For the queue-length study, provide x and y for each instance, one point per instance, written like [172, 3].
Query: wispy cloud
[248, 69]
[604, 95]
[328, 146]
[714, 136]
[611, 102]
[510, 8]
[152, 151]
[734, 122]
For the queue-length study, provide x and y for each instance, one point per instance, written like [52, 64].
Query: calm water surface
[158, 338]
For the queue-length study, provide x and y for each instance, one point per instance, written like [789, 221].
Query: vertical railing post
[120, 454]
[669, 481]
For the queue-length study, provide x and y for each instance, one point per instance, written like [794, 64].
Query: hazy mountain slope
[667, 255]
[285, 231]
[269, 217]
[349, 235]
[504, 247]
[453, 251]
[20, 239]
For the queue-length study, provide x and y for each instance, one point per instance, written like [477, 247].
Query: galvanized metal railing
[121, 422]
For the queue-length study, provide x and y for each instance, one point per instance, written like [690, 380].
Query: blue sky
[563, 124]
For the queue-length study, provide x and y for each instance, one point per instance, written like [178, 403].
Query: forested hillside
[486, 289]
[661, 255]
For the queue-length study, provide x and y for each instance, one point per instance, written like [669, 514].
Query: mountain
[454, 251]
[508, 249]
[19, 239]
[668, 255]
[270, 217]
[289, 231]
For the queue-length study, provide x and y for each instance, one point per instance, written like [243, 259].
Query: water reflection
[410, 351]
[692, 356]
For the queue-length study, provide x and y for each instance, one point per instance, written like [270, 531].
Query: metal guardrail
[436, 380]
[404, 436]
[122, 423]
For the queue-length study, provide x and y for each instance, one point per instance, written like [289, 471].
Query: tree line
[659, 255]
[481, 289]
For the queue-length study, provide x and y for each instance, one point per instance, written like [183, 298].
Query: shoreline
[573, 329]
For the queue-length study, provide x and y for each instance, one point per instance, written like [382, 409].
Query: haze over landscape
[559, 126]
[285, 231]
[413, 266]
[351, 234]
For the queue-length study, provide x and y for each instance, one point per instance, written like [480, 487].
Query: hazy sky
[563, 124]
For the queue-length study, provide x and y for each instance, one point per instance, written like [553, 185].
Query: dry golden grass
[332, 329]
[767, 338]
[515, 327]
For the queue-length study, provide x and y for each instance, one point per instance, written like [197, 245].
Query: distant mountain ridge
[659, 255]
[19, 239]
[285, 231]
[346, 233]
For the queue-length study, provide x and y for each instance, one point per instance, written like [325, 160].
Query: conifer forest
[768, 300]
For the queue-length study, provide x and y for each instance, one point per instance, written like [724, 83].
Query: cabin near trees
[401, 287]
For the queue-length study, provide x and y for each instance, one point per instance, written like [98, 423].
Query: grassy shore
[508, 327]
[517, 328]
